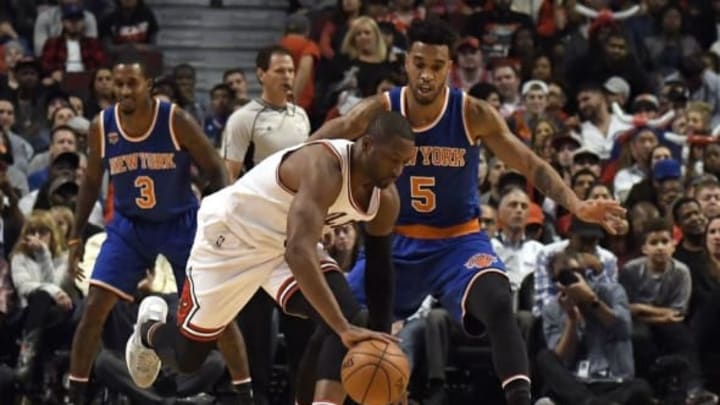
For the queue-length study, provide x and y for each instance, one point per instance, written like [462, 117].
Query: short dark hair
[262, 61]
[483, 90]
[232, 72]
[681, 202]
[431, 31]
[222, 87]
[582, 172]
[184, 66]
[655, 225]
[509, 189]
[389, 123]
[62, 128]
[132, 59]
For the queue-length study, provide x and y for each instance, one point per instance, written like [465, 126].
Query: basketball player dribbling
[438, 247]
[147, 145]
[264, 231]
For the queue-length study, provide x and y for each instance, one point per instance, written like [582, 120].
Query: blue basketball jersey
[439, 188]
[150, 175]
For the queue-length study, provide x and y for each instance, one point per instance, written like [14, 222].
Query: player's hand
[74, 263]
[354, 335]
[608, 213]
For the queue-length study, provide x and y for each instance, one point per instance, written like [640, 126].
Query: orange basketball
[375, 372]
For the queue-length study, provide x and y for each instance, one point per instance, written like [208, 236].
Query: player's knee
[98, 305]
[490, 298]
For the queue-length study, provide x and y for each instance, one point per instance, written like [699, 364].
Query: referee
[269, 123]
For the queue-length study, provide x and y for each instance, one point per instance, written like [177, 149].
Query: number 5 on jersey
[421, 193]
[146, 186]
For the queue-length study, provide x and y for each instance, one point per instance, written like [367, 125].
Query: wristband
[75, 241]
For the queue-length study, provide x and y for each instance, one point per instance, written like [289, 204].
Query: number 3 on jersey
[146, 186]
[421, 193]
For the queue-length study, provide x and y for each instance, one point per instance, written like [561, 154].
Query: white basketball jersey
[255, 208]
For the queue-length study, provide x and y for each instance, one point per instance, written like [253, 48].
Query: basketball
[375, 372]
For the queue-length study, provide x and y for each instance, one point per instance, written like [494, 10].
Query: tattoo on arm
[547, 180]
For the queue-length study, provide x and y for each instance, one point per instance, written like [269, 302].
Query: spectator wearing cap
[66, 165]
[132, 23]
[646, 104]
[306, 55]
[470, 67]
[565, 144]
[507, 80]
[72, 50]
[641, 142]
[22, 151]
[62, 139]
[667, 185]
[585, 159]
[534, 102]
[618, 90]
[511, 244]
[28, 100]
[49, 24]
[599, 128]
[494, 28]
[599, 264]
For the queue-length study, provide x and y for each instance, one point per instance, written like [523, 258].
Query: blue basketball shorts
[444, 268]
[132, 246]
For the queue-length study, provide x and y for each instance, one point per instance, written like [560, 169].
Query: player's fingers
[386, 337]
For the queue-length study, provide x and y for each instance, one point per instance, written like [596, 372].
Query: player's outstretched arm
[317, 177]
[89, 193]
[488, 126]
[379, 270]
[192, 138]
[353, 124]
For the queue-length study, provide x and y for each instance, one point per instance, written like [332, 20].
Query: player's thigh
[469, 260]
[212, 296]
[119, 267]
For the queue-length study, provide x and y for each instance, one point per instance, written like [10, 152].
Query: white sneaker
[143, 364]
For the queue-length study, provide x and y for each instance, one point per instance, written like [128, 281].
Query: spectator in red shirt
[72, 51]
[305, 53]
